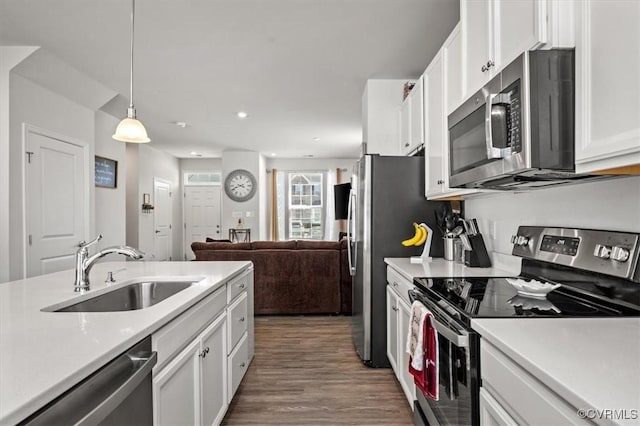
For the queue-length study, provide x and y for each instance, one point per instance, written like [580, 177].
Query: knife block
[478, 257]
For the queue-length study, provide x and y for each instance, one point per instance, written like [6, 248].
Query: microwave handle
[492, 151]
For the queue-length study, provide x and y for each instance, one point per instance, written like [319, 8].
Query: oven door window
[468, 143]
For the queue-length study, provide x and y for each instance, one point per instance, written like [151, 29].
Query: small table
[240, 235]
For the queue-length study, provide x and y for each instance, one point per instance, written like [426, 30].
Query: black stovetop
[580, 295]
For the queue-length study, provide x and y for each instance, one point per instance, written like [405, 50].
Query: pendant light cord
[133, 13]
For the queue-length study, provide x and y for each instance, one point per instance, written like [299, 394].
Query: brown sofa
[291, 277]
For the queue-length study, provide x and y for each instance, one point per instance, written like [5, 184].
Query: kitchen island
[42, 354]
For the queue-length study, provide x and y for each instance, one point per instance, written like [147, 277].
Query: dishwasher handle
[100, 394]
[111, 402]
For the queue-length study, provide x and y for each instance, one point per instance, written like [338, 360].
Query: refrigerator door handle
[352, 269]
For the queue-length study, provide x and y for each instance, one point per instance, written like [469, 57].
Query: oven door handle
[458, 338]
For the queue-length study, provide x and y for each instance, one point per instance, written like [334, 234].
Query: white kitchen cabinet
[203, 355]
[411, 119]
[381, 102]
[437, 80]
[452, 51]
[392, 329]
[176, 390]
[240, 330]
[192, 388]
[213, 373]
[513, 395]
[495, 32]
[492, 413]
[398, 317]
[607, 85]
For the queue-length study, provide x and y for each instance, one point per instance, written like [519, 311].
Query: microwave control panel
[514, 118]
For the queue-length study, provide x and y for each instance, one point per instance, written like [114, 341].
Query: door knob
[157, 232]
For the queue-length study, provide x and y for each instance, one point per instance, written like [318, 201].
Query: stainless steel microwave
[518, 130]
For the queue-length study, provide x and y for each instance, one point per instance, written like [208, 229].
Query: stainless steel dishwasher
[117, 394]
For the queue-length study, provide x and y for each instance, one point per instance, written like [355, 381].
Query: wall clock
[240, 185]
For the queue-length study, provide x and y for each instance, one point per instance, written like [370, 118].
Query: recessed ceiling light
[242, 114]
[273, 154]
[194, 153]
[180, 124]
[316, 139]
[308, 156]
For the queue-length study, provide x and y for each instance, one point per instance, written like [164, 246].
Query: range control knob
[514, 239]
[522, 240]
[620, 254]
[602, 251]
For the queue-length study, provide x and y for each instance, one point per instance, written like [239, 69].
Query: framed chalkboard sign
[106, 172]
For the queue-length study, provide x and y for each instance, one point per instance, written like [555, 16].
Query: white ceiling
[298, 67]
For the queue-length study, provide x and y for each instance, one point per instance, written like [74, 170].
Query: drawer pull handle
[242, 285]
[395, 284]
[241, 319]
[242, 365]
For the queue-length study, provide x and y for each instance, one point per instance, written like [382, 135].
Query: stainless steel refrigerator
[388, 195]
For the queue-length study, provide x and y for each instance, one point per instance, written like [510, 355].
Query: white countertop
[440, 268]
[42, 354]
[593, 363]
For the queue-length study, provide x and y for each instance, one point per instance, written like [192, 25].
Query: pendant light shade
[131, 129]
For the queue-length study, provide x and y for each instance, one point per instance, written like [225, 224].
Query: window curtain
[273, 210]
[330, 223]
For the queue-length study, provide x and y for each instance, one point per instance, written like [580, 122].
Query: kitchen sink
[134, 296]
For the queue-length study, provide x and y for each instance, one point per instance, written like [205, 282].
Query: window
[301, 205]
[202, 178]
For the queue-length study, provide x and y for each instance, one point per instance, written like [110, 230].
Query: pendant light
[130, 129]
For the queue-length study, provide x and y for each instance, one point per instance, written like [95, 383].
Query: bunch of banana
[419, 237]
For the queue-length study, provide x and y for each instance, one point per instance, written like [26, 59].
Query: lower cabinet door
[392, 329]
[406, 379]
[492, 413]
[213, 372]
[238, 365]
[176, 389]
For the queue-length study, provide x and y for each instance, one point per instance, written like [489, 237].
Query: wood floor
[306, 372]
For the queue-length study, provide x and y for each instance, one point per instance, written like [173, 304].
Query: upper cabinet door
[519, 26]
[607, 85]
[416, 132]
[475, 16]
[435, 119]
[452, 50]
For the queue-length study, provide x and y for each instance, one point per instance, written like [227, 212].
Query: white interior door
[56, 201]
[202, 212]
[162, 219]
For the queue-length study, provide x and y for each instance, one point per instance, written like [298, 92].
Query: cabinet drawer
[238, 365]
[521, 394]
[237, 286]
[399, 284]
[237, 321]
[171, 338]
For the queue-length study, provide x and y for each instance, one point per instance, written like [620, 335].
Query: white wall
[10, 56]
[300, 164]
[201, 164]
[264, 200]
[612, 204]
[250, 161]
[110, 203]
[38, 106]
[158, 164]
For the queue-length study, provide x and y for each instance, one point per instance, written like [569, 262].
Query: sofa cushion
[220, 246]
[314, 245]
[274, 245]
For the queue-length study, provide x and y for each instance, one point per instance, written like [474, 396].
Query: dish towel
[422, 347]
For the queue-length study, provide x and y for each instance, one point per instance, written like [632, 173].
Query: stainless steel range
[598, 276]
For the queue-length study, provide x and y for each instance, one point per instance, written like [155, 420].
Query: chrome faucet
[84, 263]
